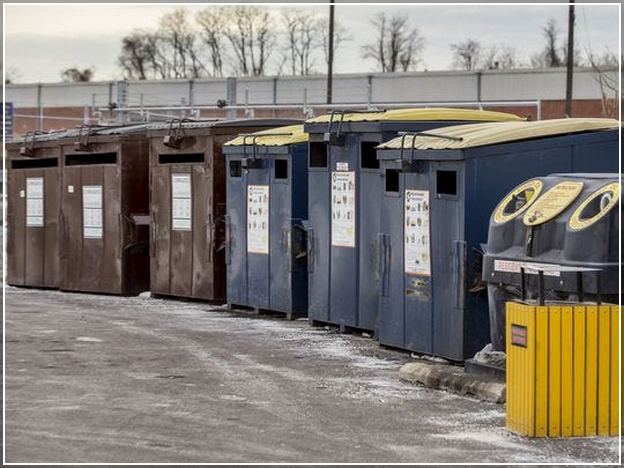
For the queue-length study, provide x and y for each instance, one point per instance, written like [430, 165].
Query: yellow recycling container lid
[491, 133]
[280, 136]
[418, 114]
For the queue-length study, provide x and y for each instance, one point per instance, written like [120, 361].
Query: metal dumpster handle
[208, 229]
[286, 242]
[62, 235]
[459, 254]
[310, 249]
[153, 233]
[228, 240]
[385, 261]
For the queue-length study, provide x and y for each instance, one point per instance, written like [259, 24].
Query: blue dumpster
[266, 193]
[344, 202]
[440, 188]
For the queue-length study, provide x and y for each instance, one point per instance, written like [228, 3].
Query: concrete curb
[453, 379]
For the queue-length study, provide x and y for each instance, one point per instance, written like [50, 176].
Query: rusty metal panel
[33, 213]
[160, 233]
[71, 229]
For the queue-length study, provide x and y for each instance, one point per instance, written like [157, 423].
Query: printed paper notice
[258, 219]
[181, 204]
[92, 221]
[417, 237]
[34, 201]
[343, 209]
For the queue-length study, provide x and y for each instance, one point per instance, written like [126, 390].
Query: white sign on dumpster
[416, 230]
[258, 219]
[343, 209]
[92, 220]
[181, 203]
[34, 201]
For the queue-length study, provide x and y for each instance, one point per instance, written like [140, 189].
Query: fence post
[39, 106]
[230, 98]
[369, 92]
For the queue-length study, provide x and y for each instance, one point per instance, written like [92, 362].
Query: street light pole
[570, 60]
[330, 52]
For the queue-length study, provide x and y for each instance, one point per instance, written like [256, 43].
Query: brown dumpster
[105, 210]
[33, 192]
[187, 180]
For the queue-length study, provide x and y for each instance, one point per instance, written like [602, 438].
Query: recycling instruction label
[34, 201]
[343, 209]
[181, 203]
[258, 219]
[92, 220]
[416, 230]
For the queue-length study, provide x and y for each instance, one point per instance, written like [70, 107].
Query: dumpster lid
[491, 133]
[209, 123]
[280, 136]
[419, 114]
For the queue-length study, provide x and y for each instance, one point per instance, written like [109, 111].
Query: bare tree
[606, 74]
[502, 57]
[341, 35]
[301, 29]
[252, 35]
[212, 23]
[176, 32]
[76, 75]
[467, 55]
[549, 55]
[398, 46]
[134, 58]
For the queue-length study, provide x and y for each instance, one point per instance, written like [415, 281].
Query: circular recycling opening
[595, 206]
[518, 200]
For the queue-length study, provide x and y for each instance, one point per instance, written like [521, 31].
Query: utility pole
[570, 61]
[330, 52]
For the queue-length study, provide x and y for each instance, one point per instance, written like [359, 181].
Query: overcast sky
[42, 40]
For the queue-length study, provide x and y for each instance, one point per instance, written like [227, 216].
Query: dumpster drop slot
[235, 168]
[180, 158]
[446, 182]
[318, 155]
[281, 169]
[392, 180]
[97, 158]
[34, 163]
[368, 155]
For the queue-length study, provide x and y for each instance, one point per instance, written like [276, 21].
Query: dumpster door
[181, 241]
[34, 258]
[236, 232]
[71, 229]
[448, 259]
[203, 232]
[417, 265]
[160, 229]
[319, 216]
[344, 257]
[16, 222]
[281, 236]
[51, 261]
[258, 234]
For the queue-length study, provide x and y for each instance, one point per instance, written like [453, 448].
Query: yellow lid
[420, 114]
[552, 203]
[576, 222]
[482, 134]
[531, 189]
[280, 136]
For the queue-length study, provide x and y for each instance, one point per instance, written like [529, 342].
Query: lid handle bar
[415, 134]
[174, 136]
[342, 113]
[84, 134]
[29, 145]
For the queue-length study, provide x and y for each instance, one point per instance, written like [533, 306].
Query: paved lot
[106, 379]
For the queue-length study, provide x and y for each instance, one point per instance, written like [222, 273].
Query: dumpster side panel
[344, 257]
[280, 239]
[217, 164]
[236, 226]
[258, 263]
[92, 256]
[299, 204]
[110, 278]
[135, 201]
[596, 155]
[16, 221]
[51, 274]
[319, 216]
